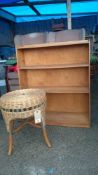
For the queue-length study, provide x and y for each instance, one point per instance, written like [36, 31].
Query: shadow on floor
[74, 151]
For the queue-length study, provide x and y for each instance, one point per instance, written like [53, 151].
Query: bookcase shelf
[63, 71]
[64, 89]
[60, 66]
[65, 118]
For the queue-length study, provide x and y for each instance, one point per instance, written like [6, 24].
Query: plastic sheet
[61, 36]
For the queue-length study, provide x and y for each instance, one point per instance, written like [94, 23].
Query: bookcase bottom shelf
[69, 119]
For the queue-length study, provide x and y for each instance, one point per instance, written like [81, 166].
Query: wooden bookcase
[63, 70]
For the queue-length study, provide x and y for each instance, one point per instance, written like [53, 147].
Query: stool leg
[10, 144]
[10, 138]
[45, 133]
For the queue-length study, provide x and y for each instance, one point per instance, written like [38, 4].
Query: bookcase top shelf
[53, 44]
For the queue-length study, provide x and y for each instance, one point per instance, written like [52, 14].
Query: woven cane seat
[21, 104]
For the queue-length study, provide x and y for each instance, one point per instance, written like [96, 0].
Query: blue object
[26, 13]
[76, 7]
[51, 171]
[22, 10]
[8, 1]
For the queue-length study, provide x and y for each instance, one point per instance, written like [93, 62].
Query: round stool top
[21, 99]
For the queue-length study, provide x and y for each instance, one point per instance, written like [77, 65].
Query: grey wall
[7, 32]
[87, 22]
[9, 29]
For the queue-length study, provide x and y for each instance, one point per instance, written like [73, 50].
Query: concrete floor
[74, 151]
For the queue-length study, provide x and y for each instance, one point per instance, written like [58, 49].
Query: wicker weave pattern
[21, 104]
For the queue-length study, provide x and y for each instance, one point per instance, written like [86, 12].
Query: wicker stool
[21, 104]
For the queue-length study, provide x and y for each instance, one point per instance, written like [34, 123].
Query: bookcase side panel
[23, 79]
[20, 57]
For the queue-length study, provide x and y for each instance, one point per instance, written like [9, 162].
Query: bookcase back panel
[74, 54]
[68, 102]
[58, 77]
